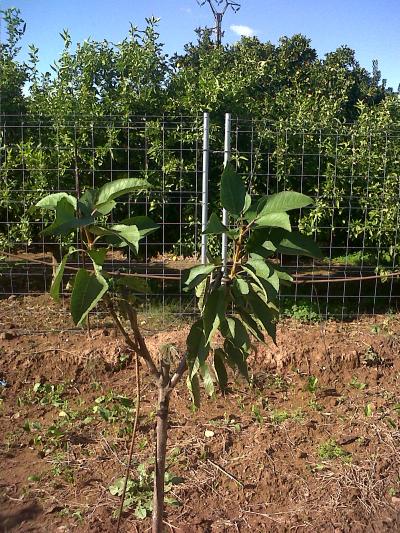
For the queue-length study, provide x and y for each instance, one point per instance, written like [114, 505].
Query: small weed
[256, 413]
[356, 384]
[34, 478]
[315, 406]
[371, 358]
[280, 416]
[312, 384]
[330, 450]
[304, 311]
[115, 408]
[139, 492]
[368, 409]
[396, 408]
[44, 394]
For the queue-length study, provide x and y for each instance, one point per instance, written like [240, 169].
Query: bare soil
[312, 445]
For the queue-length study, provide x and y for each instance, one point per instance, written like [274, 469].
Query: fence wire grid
[352, 173]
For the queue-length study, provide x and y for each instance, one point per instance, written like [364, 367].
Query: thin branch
[141, 343]
[135, 425]
[119, 325]
[178, 372]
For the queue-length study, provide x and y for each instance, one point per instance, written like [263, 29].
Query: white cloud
[239, 29]
[187, 10]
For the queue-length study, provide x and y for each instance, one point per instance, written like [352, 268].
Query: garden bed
[312, 445]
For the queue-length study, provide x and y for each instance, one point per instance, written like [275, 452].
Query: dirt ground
[313, 444]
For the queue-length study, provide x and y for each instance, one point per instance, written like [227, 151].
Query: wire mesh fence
[351, 171]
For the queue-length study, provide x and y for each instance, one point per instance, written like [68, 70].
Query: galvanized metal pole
[204, 187]
[225, 218]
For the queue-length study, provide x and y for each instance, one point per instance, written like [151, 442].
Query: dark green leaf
[294, 243]
[196, 343]
[236, 358]
[263, 314]
[87, 292]
[220, 370]
[251, 324]
[55, 286]
[98, 256]
[233, 191]
[215, 226]
[233, 329]
[65, 220]
[86, 202]
[192, 383]
[214, 312]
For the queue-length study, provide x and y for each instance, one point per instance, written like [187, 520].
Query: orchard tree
[238, 301]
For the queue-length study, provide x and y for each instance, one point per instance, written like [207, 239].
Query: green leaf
[247, 203]
[283, 201]
[196, 275]
[251, 324]
[119, 235]
[260, 244]
[98, 256]
[236, 358]
[258, 279]
[192, 383]
[274, 220]
[220, 370]
[283, 276]
[55, 286]
[250, 213]
[214, 312]
[196, 343]
[200, 292]
[87, 292]
[129, 234]
[145, 225]
[233, 191]
[233, 328]
[208, 382]
[65, 220]
[50, 202]
[242, 286]
[239, 291]
[215, 226]
[263, 314]
[140, 512]
[117, 188]
[294, 243]
[86, 202]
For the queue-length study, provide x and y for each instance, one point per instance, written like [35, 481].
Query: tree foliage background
[340, 118]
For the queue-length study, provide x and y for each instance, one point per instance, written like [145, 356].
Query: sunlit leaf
[283, 201]
[87, 292]
[50, 202]
[233, 191]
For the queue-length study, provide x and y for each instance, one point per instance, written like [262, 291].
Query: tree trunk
[161, 452]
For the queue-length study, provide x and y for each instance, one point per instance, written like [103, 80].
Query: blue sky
[371, 27]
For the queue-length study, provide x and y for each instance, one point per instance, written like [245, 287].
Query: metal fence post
[225, 218]
[204, 187]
